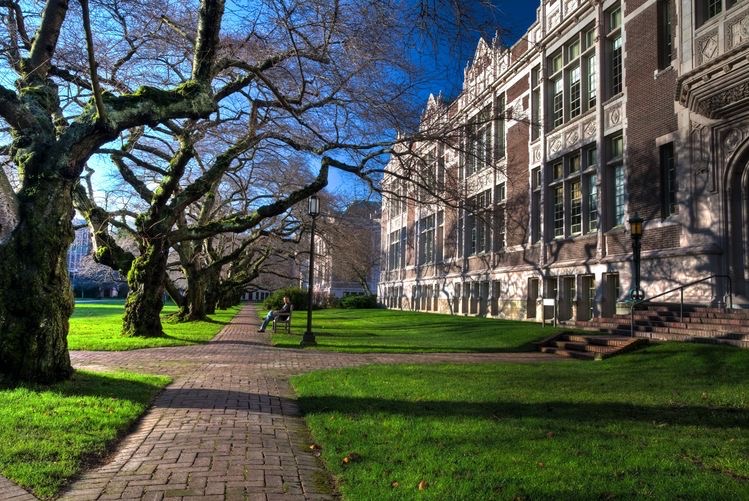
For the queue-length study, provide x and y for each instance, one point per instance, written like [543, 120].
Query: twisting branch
[92, 62]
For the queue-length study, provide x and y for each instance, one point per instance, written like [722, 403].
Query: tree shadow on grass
[94, 384]
[595, 413]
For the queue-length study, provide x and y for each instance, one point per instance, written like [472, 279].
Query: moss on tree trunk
[194, 307]
[36, 299]
[146, 297]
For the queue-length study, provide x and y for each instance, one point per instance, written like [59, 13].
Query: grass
[50, 433]
[668, 422]
[410, 332]
[97, 325]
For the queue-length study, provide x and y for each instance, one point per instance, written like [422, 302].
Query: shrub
[298, 298]
[369, 301]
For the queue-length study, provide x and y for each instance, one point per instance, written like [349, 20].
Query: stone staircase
[664, 322]
[588, 347]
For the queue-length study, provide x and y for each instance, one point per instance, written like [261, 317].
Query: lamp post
[313, 209]
[635, 230]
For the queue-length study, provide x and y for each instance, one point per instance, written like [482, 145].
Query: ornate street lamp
[635, 231]
[313, 209]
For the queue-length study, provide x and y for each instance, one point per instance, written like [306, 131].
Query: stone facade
[603, 110]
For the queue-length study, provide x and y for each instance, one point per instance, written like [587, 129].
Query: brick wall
[517, 213]
[650, 111]
[666, 237]
[580, 249]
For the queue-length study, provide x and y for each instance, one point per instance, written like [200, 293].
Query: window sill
[663, 71]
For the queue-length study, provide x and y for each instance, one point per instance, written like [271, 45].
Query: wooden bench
[285, 319]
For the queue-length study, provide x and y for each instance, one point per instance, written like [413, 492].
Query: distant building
[80, 248]
[347, 252]
[603, 110]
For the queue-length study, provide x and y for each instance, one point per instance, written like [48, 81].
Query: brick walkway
[228, 427]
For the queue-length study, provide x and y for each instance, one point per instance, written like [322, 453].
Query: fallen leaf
[550, 434]
[394, 484]
[541, 465]
[351, 457]
[314, 447]
[423, 485]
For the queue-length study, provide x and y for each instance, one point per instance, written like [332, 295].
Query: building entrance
[738, 226]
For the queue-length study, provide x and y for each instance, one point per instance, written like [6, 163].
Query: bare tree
[318, 76]
[51, 138]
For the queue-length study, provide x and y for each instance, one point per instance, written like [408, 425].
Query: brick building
[603, 110]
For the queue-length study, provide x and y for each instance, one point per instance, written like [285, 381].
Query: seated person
[285, 309]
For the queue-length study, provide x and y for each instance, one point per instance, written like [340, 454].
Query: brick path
[228, 427]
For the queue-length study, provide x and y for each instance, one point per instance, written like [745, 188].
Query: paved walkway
[228, 427]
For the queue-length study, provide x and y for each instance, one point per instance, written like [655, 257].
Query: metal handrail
[681, 299]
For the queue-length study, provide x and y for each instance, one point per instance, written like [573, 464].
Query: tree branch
[92, 61]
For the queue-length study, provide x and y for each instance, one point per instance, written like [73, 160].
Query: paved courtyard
[228, 427]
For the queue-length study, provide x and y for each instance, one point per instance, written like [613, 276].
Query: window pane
[574, 162]
[615, 68]
[556, 63]
[557, 170]
[573, 51]
[619, 198]
[592, 81]
[592, 203]
[576, 208]
[557, 102]
[574, 92]
[558, 201]
[615, 19]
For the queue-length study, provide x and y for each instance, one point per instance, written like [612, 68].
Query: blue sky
[443, 57]
[510, 19]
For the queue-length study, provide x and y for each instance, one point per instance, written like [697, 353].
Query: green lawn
[49, 433]
[668, 422]
[380, 330]
[96, 326]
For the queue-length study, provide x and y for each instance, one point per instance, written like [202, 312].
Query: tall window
[396, 197]
[499, 127]
[439, 251]
[557, 201]
[441, 167]
[614, 42]
[668, 180]
[615, 154]
[591, 90]
[500, 197]
[535, 102]
[461, 226]
[572, 197]
[557, 102]
[592, 200]
[576, 207]
[426, 240]
[427, 171]
[478, 223]
[394, 255]
[707, 9]
[573, 78]
[591, 188]
[478, 150]
[665, 34]
[535, 204]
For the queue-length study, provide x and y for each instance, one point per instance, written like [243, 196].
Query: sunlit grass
[96, 325]
[668, 422]
[49, 433]
[380, 330]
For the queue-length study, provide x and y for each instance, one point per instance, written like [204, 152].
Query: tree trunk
[194, 307]
[36, 299]
[213, 290]
[146, 297]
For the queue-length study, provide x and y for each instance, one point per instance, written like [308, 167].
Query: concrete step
[584, 355]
